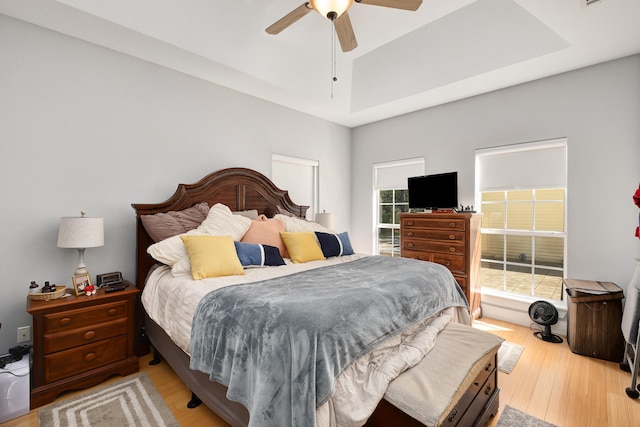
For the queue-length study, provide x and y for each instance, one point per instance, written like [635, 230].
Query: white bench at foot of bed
[456, 384]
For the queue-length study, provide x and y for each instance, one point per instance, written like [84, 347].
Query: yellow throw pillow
[212, 256]
[302, 246]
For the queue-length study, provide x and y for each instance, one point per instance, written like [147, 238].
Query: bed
[422, 343]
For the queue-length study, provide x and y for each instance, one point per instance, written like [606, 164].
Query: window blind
[393, 175]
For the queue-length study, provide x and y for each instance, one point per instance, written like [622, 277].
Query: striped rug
[131, 401]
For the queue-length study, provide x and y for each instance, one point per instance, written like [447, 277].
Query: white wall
[596, 108]
[83, 127]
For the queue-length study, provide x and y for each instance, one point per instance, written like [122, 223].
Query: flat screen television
[438, 191]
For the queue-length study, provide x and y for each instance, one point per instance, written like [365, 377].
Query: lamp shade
[325, 219]
[325, 7]
[80, 232]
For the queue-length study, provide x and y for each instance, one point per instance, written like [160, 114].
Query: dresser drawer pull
[410, 233]
[64, 321]
[452, 237]
[112, 312]
[452, 416]
[488, 367]
[447, 263]
[452, 249]
[409, 222]
[89, 335]
[89, 357]
[409, 245]
[452, 224]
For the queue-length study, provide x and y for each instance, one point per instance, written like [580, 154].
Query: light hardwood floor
[549, 382]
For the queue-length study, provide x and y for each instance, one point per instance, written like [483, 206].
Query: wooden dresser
[452, 240]
[79, 341]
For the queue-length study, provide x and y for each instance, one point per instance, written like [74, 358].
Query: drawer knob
[89, 335]
[487, 390]
[409, 245]
[410, 234]
[488, 367]
[452, 224]
[409, 222]
[112, 312]
[452, 249]
[89, 357]
[452, 237]
[64, 321]
[447, 263]
[452, 416]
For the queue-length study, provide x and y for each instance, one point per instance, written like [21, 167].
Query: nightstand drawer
[81, 336]
[85, 358]
[79, 318]
[434, 222]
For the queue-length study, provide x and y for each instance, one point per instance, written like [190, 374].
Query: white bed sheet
[358, 389]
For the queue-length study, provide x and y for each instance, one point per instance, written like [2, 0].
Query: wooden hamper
[594, 318]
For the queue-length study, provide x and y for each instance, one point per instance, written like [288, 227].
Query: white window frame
[395, 178]
[314, 197]
[538, 145]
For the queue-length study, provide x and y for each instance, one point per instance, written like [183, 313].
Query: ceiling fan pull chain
[333, 57]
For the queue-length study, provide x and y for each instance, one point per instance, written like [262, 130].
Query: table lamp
[81, 233]
[325, 219]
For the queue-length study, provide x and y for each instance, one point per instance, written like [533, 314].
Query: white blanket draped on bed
[367, 378]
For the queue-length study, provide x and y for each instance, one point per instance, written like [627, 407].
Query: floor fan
[545, 314]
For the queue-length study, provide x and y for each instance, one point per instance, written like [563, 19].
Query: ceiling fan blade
[345, 32]
[289, 19]
[396, 4]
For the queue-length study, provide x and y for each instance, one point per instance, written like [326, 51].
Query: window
[522, 195]
[299, 177]
[390, 199]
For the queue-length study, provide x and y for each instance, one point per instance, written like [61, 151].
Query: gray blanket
[278, 345]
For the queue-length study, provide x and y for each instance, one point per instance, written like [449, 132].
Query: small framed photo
[80, 281]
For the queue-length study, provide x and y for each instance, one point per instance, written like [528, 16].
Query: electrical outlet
[24, 334]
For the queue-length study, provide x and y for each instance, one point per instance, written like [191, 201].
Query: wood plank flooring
[549, 382]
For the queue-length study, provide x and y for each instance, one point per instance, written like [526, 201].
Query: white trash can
[14, 384]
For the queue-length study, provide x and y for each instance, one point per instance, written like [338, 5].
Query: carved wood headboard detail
[238, 188]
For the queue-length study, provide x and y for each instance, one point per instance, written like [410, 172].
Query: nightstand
[79, 341]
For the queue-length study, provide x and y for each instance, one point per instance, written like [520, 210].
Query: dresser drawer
[76, 337]
[434, 222]
[447, 247]
[84, 358]
[455, 263]
[79, 318]
[431, 234]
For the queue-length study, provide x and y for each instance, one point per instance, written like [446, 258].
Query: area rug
[512, 417]
[508, 355]
[131, 401]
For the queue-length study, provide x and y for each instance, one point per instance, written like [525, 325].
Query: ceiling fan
[336, 11]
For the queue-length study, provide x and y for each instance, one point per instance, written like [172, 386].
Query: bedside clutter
[594, 318]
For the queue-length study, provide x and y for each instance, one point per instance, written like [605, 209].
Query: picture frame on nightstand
[80, 281]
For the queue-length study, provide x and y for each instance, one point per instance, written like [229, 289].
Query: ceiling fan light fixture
[331, 9]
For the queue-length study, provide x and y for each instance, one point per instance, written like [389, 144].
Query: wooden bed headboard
[238, 188]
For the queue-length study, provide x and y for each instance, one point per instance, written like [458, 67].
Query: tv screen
[439, 191]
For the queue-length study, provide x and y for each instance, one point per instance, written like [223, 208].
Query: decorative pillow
[212, 256]
[302, 246]
[266, 231]
[334, 244]
[251, 214]
[295, 225]
[163, 225]
[219, 222]
[256, 255]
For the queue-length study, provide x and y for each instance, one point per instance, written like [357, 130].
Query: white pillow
[220, 221]
[295, 225]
